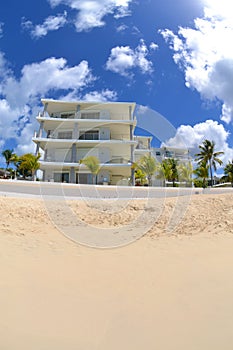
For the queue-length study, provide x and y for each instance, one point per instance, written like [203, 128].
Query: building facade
[72, 131]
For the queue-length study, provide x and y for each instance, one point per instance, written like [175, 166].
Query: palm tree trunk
[149, 180]
[211, 174]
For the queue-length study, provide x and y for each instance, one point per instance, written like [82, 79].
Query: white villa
[72, 131]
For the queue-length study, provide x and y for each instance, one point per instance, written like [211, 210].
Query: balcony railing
[84, 136]
[114, 160]
[118, 160]
[87, 115]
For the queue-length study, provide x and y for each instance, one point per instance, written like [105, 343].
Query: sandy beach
[169, 289]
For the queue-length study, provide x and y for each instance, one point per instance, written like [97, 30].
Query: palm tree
[208, 156]
[202, 172]
[228, 171]
[8, 154]
[147, 164]
[168, 170]
[140, 177]
[174, 172]
[93, 164]
[29, 163]
[164, 171]
[185, 171]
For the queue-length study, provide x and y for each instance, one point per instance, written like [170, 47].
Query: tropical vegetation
[228, 171]
[24, 165]
[147, 165]
[93, 164]
[9, 156]
[208, 157]
[28, 164]
[170, 170]
[202, 172]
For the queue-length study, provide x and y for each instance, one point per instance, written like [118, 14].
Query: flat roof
[64, 106]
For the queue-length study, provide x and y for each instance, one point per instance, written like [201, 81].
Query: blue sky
[174, 57]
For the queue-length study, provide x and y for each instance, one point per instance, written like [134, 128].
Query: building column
[73, 160]
[149, 145]
[72, 175]
[78, 112]
[74, 153]
[75, 132]
[39, 134]
[131, 132]
[132, 154]
[130, 113]
[132, 170]
[37, 148]
[45, 109]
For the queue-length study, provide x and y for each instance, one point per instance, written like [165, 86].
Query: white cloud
[191, 137]
[123, 59]
[153, 46]
[20, 98]
[51, 23]
[205, 54]
[91, 13]
[121, 28]
[101, 96]
[37, 79]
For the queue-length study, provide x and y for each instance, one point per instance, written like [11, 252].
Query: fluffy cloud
[191, 137]
[20, 98]
[205, 54]
[51, 23]
[123, 59]
[37, 79]
[91, 13]
[121, 28]
[101, 96]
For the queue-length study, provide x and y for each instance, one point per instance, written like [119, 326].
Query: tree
[208, 156]
[202, 172]
[140, 177]
[164, 171]
[228, 171]
[9, 155]
[29, 163]
[168, 170]
[147, 164]
[93, 164]
[174, 171]
[185, 171]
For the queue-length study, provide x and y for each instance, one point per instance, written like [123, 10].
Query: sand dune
[171, 289]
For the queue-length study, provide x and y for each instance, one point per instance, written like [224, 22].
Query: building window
[89, 135]
[84, 178]
[92, 115]
[65, 135]
[61, 177]
[67, 115]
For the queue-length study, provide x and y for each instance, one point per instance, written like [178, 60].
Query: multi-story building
[72, 131]
[143, 147]
[180, 154]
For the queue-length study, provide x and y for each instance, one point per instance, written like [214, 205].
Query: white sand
[165, 291]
